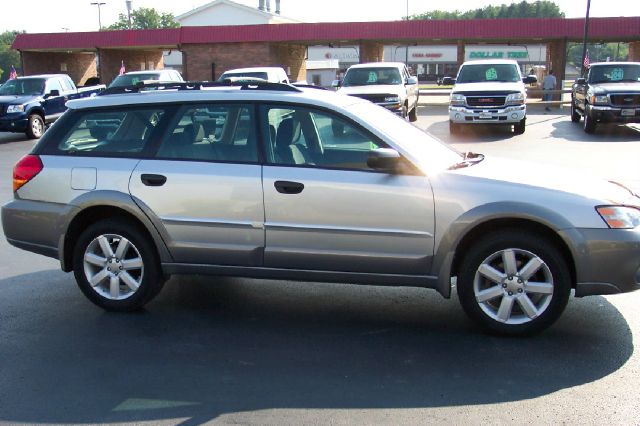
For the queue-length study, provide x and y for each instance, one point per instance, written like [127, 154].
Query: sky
[80, 15]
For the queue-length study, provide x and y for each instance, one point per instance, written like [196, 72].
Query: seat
[181, 144]
[287, 151]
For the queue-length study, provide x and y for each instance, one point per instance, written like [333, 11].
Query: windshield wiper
[468, 159]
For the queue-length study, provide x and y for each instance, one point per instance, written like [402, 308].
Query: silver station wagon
[274, 181]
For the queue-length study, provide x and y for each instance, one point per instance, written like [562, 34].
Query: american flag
[13, 73]
[122, 70]
[586, 59]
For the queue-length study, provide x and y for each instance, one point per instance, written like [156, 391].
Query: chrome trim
[272, 225]
[211, 222]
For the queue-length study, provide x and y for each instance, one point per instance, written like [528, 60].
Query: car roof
[255, 69]
[490, 61]
[144, 72]
[43, 76]
[379, 64]
[595, 64]
[323, 98]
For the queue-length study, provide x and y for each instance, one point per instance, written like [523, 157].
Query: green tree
[8, 56]
[145, 18]
[598, 52]
[524, 9]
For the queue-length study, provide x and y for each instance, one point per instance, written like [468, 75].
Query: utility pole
[586, 36]
[128, 2]
[406, 57]
[99, 17]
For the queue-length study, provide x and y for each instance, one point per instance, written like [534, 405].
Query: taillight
[25, 170]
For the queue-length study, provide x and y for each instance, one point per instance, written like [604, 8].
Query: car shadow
[605, 133]
[210, 346]
[6, 137]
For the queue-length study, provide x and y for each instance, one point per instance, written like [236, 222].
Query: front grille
[375, 98]
[630, 100]
[486, 101]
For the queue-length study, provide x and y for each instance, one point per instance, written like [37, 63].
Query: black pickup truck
[610, 93]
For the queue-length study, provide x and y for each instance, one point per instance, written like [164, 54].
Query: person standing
[548, 83]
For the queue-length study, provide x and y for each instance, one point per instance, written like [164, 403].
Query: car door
[580, 92]
[325, 209]
[53, 106]
[203, 185]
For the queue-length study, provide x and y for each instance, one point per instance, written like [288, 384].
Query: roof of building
[249, 9]
[442, 31]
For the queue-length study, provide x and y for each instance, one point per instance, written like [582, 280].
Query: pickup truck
[29, 104]
[489, 92]
[387, 84]
[271, 74]
[610, 93]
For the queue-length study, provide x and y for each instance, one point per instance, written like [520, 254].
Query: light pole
[99, 17]
[586, 36]
[406, 56]
[129, 11]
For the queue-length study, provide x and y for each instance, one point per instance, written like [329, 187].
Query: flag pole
[586, 36]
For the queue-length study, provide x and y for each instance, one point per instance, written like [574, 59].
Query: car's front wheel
[514, 283]
[588, 123]
[575, 115]
[520, 127]
[35, 126]
[116, 266]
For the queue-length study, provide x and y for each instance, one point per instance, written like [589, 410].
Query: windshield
[371, 76]
[23, 86]
[614, 73]
[132, 79]
[477, 73]
[421, 148]
[262, 75]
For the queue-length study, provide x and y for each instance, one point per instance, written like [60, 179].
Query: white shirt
[549, 82]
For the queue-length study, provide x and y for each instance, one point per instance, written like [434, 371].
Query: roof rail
[143, 86]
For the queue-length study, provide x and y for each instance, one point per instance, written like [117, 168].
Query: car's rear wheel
[35, 126]
[116, 266]
[520, 127]
[514, 283]
[413, 114]
[575, 115]
[588, 124]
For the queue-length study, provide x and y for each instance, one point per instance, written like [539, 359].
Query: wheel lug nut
[504, 286]
[510, 293]
[519, 290]
[120, 267]
[109, 269]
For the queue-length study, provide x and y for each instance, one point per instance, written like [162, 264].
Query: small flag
[13, 73]
[586, 60]
[122, 70]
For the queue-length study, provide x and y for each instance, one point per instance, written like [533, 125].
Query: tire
[454, 128]
[123, 281]
[588, 124]
[35, 127]
[505, 302]
[405, 112]
[520, 127]
[413, 114]
[575, 115]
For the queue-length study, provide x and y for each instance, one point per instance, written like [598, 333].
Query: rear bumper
[506, 115]
[607, 114]
[607, 260]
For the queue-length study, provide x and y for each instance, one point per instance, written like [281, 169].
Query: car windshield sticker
[373, 77]
[491, 74]
[617, 74]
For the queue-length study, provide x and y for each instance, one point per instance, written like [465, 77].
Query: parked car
[134, 77]
[489, 92]
[254, 183]
[387, 84]
[28, 104]
[446, 81]
[271, 74]
[609, 94]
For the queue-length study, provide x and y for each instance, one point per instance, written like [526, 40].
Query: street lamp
[586, 37]
[129, 11]
[99, 17]
[406, 56]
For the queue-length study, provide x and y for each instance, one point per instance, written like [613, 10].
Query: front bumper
[14, 124]
[395, 107]
[608, 114]
[506, 115]
[607, 261]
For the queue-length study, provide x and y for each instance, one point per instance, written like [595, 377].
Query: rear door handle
[287, 187]
[153, 180]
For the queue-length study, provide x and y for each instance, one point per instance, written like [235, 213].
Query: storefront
[426, 62]
[345, 55]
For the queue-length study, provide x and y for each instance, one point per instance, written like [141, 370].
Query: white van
[271, 74]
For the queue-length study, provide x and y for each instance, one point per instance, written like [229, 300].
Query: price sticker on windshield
[617, 74]
[491, 74]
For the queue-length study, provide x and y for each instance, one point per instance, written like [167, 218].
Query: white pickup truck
[489, 92]
[387, 84]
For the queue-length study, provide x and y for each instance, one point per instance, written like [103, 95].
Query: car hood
[526, 181]
[488, 87]
[395, 89]
[618, 87]
[16, 100]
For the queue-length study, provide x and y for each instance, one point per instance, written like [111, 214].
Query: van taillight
[25, 170]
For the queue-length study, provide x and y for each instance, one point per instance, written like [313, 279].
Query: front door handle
[287, 187]
[153, 180]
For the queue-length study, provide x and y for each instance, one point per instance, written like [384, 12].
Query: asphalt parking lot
[272, 352]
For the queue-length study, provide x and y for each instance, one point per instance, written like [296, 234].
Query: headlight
[599, 99]
[457, 99]
[619, 217]
[15, 108]
[392, 99]
[516, 98]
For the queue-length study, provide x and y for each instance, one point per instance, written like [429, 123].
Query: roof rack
[143, 86]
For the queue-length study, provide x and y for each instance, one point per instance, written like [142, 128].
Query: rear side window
[110, 132]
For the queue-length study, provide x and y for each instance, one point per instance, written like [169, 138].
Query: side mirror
[385, 159]
[581, 80]
[530, 79]
[52, 93]
[412, 80]
[336, 83]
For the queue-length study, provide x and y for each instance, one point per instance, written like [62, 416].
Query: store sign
[498, 55]
[426, 55]
[521, 53]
